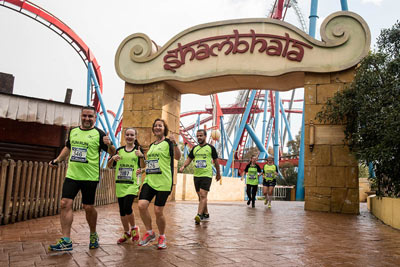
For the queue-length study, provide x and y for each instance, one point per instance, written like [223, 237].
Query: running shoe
[205, 216]
[147, 238]
[248, 202]
[61, 245]
[162, 242]
[124, 238]
[269, 205]
[197, 219]
[265, 201]
[135, 233]
[94, 241]
[253, 205]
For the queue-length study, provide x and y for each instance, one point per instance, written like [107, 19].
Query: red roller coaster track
[47, 19]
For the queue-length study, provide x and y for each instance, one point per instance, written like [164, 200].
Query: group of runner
[82, 150]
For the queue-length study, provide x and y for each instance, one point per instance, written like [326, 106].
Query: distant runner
[204, 155]
[252, 172]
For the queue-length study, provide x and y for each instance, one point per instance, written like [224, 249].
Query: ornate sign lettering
[269, 44]
[245, 53]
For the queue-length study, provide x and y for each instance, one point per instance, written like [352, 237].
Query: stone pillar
[145, 103]
[330, 170]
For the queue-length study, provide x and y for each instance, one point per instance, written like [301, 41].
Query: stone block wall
[330, 170]
[145, 103]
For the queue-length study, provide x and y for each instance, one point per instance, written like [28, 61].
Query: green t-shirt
[125, 172]
[160, 165]
[84, 157]
[269, 172]
[252, 174]
[203, 157]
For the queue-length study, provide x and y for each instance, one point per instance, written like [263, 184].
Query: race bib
[152, 167]
[79, 154]
[125, 173]
[252, 176]
[201, 164]
[269, 175]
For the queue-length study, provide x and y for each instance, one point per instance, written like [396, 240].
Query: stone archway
[254, 53]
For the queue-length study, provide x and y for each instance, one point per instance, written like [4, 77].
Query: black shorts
[269, 182]
[202, 183]
[148, 193]
[125, 204]
[71, 188]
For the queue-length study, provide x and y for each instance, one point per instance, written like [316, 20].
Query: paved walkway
[236, 235]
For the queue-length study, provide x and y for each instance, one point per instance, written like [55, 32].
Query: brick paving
[236, 235]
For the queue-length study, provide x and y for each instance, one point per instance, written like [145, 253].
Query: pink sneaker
[135, 233]
[147, 239]
[124, 238]
[162, 242]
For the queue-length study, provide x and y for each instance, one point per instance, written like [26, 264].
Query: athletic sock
[67, 239]
[150, 232]
[162, 235]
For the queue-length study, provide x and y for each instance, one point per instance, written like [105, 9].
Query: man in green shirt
[82, 149]
[203, 155]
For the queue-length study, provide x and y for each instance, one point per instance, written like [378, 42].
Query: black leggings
[252, 192]
[125, 204]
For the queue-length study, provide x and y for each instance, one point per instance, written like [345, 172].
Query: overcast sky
[44, 65]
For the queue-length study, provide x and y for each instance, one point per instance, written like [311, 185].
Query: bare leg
[265, 192]
[160, 219]
[91, 217]
[144, 213]
[66, 216]
[125, 223]
[203, 202]
[131, 219]
[270, 193]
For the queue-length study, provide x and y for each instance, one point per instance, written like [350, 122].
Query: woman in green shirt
[252, 172]
[127, 161]
[158, 181]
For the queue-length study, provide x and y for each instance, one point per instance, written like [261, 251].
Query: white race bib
[201, 164]
[152, 166]
[125, 173]
[79, 154]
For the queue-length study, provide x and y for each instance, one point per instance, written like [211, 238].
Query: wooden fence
[32, 189]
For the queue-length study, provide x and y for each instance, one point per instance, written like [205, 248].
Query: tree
[369, 109]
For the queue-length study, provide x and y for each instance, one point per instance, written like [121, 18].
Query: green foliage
[189, 169]
[289, 173]
[363, 171]
[294, 145]
[370, 110]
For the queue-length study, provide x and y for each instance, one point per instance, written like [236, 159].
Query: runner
[270, 173]
[127, 161]
[252, 172]
[158, 181]
[204, 155]
[83, 152]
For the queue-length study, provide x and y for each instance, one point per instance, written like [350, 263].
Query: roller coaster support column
[265, 116]
[286, 121]
[97, 87]
[300, 175]
[344, 5]
[240, 131]
[276, 141]
[89, 87]
[313, 18]
[116, 120]
[253, 136]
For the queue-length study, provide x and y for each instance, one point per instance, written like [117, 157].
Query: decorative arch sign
[245, 53]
